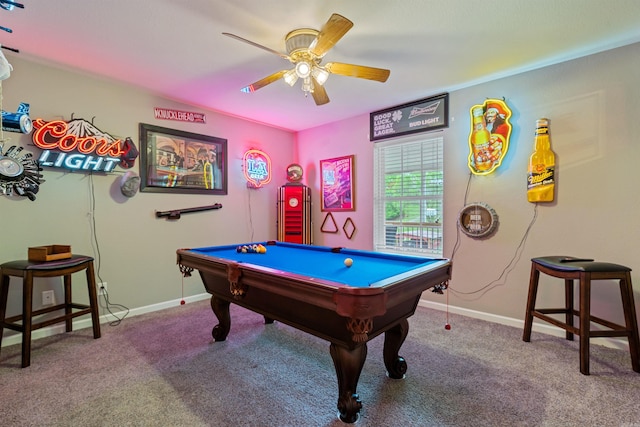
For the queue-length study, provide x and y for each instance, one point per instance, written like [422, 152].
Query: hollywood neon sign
[76, 145]
[257, 168]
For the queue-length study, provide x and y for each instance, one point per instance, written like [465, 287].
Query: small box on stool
[49, 253]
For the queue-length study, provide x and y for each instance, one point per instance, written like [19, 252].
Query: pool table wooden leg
[348, 364]
[220, 308]
[393, 340]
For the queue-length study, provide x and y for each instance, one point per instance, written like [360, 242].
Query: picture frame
[174, 161]
[337, 184]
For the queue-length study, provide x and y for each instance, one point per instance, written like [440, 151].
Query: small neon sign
[257, 168]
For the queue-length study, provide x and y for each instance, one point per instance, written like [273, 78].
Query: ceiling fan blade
[319, 93]
[360, 71]
[332, 31]
[263, 82]
[275, 52]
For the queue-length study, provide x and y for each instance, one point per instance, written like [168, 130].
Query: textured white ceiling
[175, 47]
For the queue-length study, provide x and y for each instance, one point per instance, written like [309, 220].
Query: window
[408, 189]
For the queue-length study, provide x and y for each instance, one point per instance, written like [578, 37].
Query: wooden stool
[28, 270]
[585, 270]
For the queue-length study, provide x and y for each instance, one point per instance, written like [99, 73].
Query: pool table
[310, 288]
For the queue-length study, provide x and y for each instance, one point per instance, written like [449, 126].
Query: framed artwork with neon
[337, 185]
[175, 161]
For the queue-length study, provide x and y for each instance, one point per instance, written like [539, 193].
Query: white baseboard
[11, 338]
[544, 328]
[16, 338]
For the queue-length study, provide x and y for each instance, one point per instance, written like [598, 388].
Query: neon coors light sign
[76, 145]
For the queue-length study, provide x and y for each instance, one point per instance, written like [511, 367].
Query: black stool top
[568, 263]
[46, 265]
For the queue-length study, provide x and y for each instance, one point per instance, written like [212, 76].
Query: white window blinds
[408, 191]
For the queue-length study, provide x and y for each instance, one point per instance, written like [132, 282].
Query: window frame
[422, 237]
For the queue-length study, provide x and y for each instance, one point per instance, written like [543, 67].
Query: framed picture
[337, 186]
[181, 162]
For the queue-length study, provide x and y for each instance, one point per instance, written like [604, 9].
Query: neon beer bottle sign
[76, 145]
[257, 168]
[489, 136]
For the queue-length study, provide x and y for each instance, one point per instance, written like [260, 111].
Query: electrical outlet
[102, 288]
[48, 298]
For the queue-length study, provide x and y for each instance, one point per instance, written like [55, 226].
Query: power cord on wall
[249, 191]
[96, 248]
[464, 203]
[501, 280]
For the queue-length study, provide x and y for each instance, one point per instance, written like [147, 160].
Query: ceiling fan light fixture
[306, 49]
[303, 69]
[290, 77]
[307, 86]
[320, 75]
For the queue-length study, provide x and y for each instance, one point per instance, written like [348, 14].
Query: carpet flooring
[162, 369]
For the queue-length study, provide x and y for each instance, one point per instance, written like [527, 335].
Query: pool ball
[348, 262]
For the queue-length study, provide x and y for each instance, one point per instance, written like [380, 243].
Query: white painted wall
[594, 105]
[137, 250]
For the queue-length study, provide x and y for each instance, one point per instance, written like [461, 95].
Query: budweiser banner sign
[419, 116]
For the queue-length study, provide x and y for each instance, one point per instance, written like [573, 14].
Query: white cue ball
[348, 262]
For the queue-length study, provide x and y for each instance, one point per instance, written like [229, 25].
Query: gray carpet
[162, 369]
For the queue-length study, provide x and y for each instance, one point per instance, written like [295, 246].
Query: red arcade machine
[294, 209]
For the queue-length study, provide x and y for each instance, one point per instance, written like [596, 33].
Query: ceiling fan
[305, 50]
